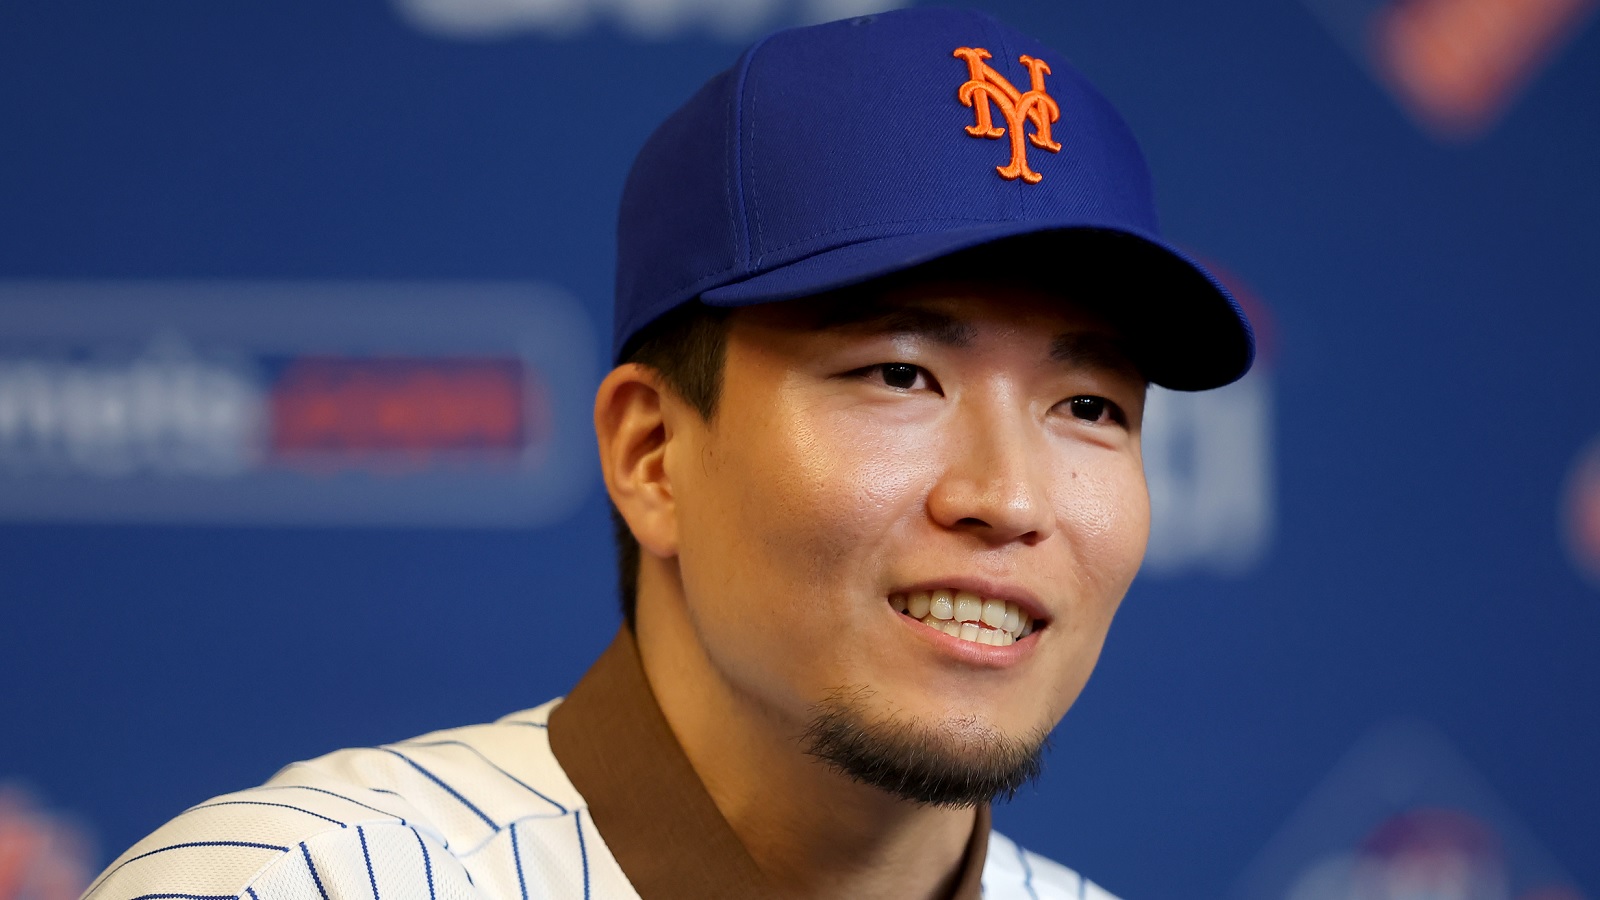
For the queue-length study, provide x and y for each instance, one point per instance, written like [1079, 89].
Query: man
[889, 296]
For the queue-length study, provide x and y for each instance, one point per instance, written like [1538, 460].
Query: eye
[1088, 408]
[901, 376]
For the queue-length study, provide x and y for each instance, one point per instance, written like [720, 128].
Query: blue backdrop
[1367, 636]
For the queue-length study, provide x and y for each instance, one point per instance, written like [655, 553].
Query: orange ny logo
[987, 86]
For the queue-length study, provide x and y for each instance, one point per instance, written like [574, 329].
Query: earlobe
[631, 427]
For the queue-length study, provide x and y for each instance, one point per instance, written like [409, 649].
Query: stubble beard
[960, 762]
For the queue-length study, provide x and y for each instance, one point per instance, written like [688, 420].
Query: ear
[633, 429]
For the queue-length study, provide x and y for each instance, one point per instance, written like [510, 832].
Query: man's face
[974, 440]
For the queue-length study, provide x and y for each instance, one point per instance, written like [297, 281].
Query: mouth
[967, 616]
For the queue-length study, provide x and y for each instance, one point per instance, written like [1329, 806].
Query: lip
[989, 590]
[976, 655]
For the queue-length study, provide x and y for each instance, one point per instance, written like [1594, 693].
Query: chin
[954, 759]
[960, 711]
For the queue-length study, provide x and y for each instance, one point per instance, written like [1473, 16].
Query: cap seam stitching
[730, 187]
[748, 209]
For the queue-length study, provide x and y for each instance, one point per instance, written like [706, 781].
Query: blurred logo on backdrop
[1582, 512]
[1208, 458]
[416, 404]
[1455, 65]
[651, 20]
[43, 856]
[1403, 817]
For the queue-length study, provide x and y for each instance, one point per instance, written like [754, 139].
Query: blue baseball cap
[831, 155]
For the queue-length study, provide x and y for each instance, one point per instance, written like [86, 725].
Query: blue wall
[1407, 623]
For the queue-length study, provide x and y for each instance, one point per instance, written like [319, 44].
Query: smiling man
[890, 292]
[876, 568]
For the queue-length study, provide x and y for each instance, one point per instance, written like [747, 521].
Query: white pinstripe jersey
[477, 813]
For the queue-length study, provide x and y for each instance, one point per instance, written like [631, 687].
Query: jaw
[746, 745]
[958, 761]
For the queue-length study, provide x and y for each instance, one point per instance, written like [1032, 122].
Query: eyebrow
[877, 318]
[1093, 349]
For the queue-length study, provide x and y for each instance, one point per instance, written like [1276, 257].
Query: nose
[995, 484]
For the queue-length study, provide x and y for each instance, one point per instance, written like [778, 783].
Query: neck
[808, 827]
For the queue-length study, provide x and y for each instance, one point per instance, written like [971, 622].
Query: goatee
[958, 762]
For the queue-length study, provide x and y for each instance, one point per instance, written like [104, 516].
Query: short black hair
[686, 347]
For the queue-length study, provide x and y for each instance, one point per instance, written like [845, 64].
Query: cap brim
[1186, 328]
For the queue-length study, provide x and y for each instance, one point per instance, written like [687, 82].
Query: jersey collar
[661, 825]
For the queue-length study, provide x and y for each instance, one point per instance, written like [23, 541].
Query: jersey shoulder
[413, 816]
[1012, 873]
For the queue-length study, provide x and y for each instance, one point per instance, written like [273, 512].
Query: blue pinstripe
[427, 864]
[463, 774]
[448, 789]
[479, 754]
[306, 852]
[516, 858]
[301, 787]
[247, 844]
[263, 803]
[583, 852]
[1027, 873]
[367, 857]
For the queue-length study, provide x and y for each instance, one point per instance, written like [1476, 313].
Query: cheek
[1106, 514]
[1105, 518]
[806, 496]
[839, 487]
[795, 519]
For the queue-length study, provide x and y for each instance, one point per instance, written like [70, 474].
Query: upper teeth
[966, 615]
